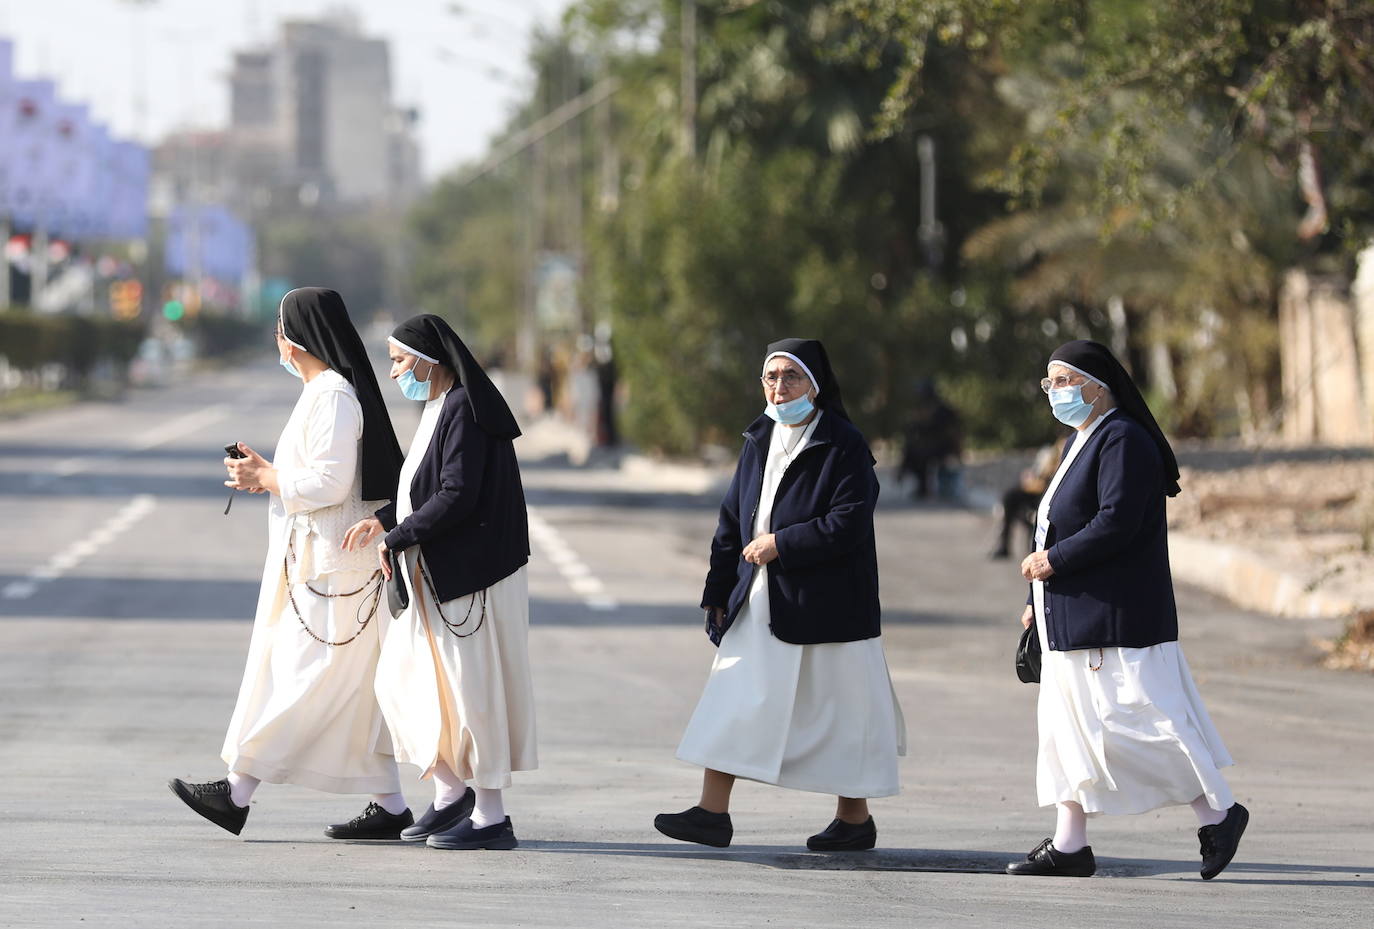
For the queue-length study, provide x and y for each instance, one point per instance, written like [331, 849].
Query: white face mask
[791, 412]
[1069, 407]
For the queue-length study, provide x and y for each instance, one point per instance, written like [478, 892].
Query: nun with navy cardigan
[454, 678]
[799, 693]
[1122, 727]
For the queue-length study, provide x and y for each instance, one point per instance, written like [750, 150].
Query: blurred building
[194, 166]
[312, 118]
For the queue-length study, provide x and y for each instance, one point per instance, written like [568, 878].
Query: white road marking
[182, 425]
[64, 561]
[574, 570]
[152, 438]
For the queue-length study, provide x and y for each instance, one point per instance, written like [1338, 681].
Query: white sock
[489, 809]
[1206, 816]
[241, 787]
[448, 787]
[395, 804]
[1071, 830]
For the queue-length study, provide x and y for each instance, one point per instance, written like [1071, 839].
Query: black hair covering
[429, 334]
[316, 319]
[812, 354]
[1096, 359]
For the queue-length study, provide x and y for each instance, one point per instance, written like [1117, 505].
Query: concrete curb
[1251, 580]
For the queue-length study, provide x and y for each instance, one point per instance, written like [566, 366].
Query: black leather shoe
[212, 801]
[467, 837]
[1219, 842]
[841, 836]
[433, 820]
[1046, 860]
[372, 823]
[696, 825]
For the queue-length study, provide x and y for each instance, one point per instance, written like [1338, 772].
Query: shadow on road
[913, 860]
[1242, 871]
[657, 499]
[100, 484]
[99, 453]
[134, 598]
[546, 612]
[769, 856]
[943, 861]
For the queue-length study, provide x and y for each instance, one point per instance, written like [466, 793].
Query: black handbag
[1028, 656]
[397, 596]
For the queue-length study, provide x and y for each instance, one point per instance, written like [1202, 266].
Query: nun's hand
[1028, 616]
[385, 561]
[1036, 567]
[762, 550]
[252, 473]
[361, 533]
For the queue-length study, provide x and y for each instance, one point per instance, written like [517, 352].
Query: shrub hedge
[79, 343]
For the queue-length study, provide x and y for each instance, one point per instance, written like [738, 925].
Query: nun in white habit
[306, 712]
[1122, 726]
[454, 680]
[799, 693]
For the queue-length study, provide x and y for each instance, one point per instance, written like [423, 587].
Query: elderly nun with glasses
[799, 693]
[1122, 726]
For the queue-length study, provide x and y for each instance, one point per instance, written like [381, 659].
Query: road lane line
[160, 434]
[573, 569]
[182, 425]
[64, 561]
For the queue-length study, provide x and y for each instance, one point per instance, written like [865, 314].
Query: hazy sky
[440, 62]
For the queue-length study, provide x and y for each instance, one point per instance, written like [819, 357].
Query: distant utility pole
[4, 262]
[138, 26]
[929, 232]
[689, 78]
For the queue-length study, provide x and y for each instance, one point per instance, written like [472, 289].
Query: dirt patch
[1353, 651]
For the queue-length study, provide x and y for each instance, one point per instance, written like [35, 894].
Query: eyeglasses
[789, 380]
[1058, 383]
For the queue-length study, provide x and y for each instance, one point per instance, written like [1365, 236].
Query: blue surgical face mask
[413, 389]
[1069, 407]
[791, 412]
[286, 363]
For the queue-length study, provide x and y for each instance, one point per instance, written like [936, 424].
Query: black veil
[1096, 360]
[431, 336]
[316, 319]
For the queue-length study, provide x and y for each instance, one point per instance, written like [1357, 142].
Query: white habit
[469, 701]
[821, 718]
[306, 711]
[1131, 737]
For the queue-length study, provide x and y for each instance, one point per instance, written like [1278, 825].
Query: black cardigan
[469, 514]
[1108, 545]
[823, 587]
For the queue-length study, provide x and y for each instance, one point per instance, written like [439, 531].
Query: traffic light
[173, 310]
[126, 299]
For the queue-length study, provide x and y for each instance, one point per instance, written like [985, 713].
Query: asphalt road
[125, 606]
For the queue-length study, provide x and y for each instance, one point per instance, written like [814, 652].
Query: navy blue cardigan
[469, 514]
[1108, 545]
[823, 586]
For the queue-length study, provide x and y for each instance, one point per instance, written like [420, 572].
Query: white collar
[1092, 427]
